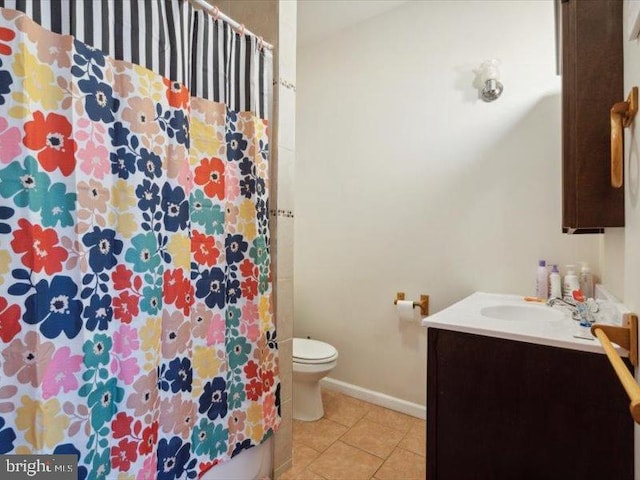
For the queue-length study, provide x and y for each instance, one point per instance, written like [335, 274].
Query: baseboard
[377, 398]
[282, 468]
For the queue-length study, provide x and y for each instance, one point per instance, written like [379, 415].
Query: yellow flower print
[180, 249]
[249, 231]
[126, 476]
[247, 210]
[5, 261]
[123, 195]
[150, 334]
[205, 143]
[39, 82]
[126, 224]
[206, 362]
[44, 427]
[264, 308]
[254, 413]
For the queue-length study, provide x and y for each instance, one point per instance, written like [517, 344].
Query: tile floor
[356, 440]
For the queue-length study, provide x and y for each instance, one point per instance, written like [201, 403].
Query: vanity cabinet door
[592, 81]
[504, 410]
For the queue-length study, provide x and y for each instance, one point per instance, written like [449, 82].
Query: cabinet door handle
[622, 114]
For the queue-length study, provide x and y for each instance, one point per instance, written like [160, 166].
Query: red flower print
[205, 467]
[204, 249]
[123, 454]
[125, 307]
[178, 290]
[39, 247]
[267, 379]
[249, 288]
[177, 94]
[253, 389]
[248, 268]
[251, 370]
[121, 278]
[9, 325]
[6, 35]
[121, 425]
[51, 138]
[149, 439]
[210, 173]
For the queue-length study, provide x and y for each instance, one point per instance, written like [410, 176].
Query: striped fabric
[171, 38]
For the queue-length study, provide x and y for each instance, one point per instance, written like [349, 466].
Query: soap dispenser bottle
[570, 283]
[586, 281]
[555, 283]
[542, 280]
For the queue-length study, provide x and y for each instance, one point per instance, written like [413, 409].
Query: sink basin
[521, 312]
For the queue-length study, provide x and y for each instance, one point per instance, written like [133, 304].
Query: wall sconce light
[489, 76]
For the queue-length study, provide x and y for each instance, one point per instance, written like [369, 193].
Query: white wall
[405, 181]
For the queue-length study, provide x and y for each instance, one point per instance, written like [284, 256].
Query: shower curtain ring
[242, 30]
[216, 13]
[260, 43]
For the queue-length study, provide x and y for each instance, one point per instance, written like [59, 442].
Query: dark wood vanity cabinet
[503, 410]
[592, 81]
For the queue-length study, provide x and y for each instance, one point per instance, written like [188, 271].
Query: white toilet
[312, 360]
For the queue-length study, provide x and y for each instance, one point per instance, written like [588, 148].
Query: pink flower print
[148, 471]
[250, 330]
[201, 317]
[232, 182]
[185, 178]
[126, 370]
[60, 373]
[28, 359]
[94, 159]
[216, 330]
[9, 142]
[125, 340]
[250, 312]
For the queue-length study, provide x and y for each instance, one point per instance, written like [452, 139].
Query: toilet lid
[312, 350]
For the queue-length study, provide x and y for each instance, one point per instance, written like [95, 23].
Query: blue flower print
[123, 163]
[98, 101]
[96, 351]
[247, 187]
[262, 210]
[261, 189]
[178, 377]
[233, 317]
[148, 195]
[103, 247]
[101, 466]
[209, 439]
[180, 124]
[173, 457]
[103, 401]
[151, 301]
[56, 307]
[26, 185]
[7, 436]
[237, 395]
[240, 446]
[232, 119]
[70, 449]
[144, 253]
[5, 214]
[150, 164]
[247, 167]
[175, 208]
[238, 350]
[236, 145]
[213, 400]
[57, 206]
[99, 312]
[87, 54]
[235, 248]
[5, 84]
[210, 287]
[120, 136]
[234, 292]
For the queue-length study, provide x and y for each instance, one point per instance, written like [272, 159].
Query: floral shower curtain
[135, 294]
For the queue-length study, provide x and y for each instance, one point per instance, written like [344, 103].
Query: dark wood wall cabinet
[503, 410]
[592, 81]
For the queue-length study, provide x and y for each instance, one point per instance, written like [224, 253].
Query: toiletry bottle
[570, 283]
[555, 284]
[586, 280]
[542, 280]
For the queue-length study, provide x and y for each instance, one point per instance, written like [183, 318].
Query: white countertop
[464, 316]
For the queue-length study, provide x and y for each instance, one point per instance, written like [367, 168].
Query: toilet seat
[307, 351]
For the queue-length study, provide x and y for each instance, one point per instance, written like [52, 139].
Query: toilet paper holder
[423, 303]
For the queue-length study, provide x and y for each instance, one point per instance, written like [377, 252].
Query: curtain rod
[213, 10]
